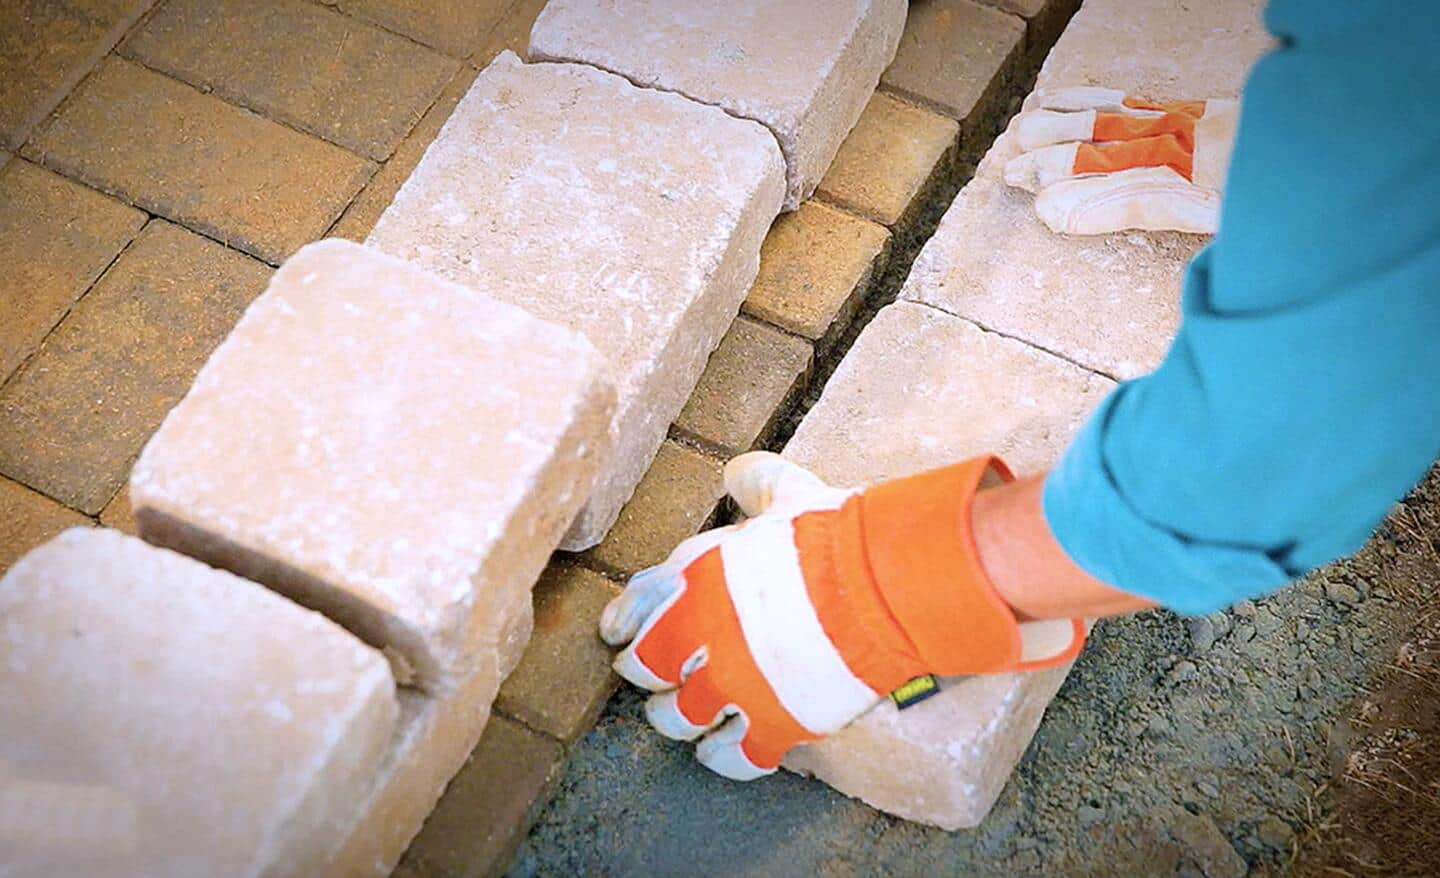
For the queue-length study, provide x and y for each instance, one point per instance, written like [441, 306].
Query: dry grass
[1381, 814]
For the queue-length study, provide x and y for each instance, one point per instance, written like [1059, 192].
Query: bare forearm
[1028, 567]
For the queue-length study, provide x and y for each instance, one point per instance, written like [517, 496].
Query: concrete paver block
[675, 500]
[74, 417]
[816, 266]
[300, 63]
[802, 68]
[1109, 302]
[455, 27]
[895, 153]
[750, 379]
[160, 144]
[474, 831]
[922, 389]
[564, 678]
[119, 515]
[46, 48]
[28, 519]
[224, 730]
[958, 57]
[55, 239]
[632, 216]
[423, 449]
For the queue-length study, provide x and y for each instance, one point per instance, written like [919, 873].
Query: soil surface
[1178, 746]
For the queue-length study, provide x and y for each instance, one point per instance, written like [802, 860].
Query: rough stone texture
[675, 500]
[816, 266]
[45, 49]
[893, 155]
[74, 417]
[226, 729]
[802, 68]
[487, 808]
[119, 515]
[958, 57]
[299, 63]
[221, 170]
[360, 217]
[423, 449]
[28, 519]
[55, 239]
[455, 27]
[922, 389]
[750, 379]
[564, 677]
[1109, 302]
[630, 215]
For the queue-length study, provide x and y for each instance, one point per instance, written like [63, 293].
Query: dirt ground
[1294, 734]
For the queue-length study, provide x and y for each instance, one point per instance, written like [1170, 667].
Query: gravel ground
[1177, 746]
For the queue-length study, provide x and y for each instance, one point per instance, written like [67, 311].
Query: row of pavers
[1005, 339]
[820, 262]
[270, 508]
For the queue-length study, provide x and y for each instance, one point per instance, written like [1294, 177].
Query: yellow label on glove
[915, 691]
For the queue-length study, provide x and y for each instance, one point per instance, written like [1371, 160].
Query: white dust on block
[802, 68]
[922, 389]
[631, 216]
[392, 449]
[1109, 302]
[161, 718]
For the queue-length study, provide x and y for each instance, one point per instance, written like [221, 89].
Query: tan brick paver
[28, 519]
[74, 417]
[360, 217]
[675, 500]
[488, 806]
[895, 152]
[190, 157]
[118, 514]
[816, 266]
[46, 47]
[56, 237]
[748, 382]
[1044, 21]
[351, 83]
[455, 27]
[511, 32]
[564, 677]
[957, 57]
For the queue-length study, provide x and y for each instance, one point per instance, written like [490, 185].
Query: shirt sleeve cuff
[1107, 538]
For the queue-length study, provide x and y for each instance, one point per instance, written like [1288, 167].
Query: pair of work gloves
[784, 628]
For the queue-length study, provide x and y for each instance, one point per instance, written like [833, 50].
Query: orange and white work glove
[784, 628]
[1102, 162]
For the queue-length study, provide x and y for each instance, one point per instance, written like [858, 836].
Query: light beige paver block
[185, 721]
[1109, 302]
[394, 450]
[630, 215]
[802, 68]
[922, 389]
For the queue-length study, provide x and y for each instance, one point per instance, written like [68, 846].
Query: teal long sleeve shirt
[1301, 396]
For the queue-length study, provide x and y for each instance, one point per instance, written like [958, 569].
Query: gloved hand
[1102, 162]
[784, 628]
